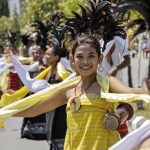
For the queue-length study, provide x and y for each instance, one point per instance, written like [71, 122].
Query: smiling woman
[86, 109]
[86, 59]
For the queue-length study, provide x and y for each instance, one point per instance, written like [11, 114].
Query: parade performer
[111, 33]
[89, 109]
[56, 119]
[58, 73]
[86, 104]
[35, 127]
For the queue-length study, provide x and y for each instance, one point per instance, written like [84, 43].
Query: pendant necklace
[75, 101]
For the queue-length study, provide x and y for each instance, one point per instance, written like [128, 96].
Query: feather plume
[143, 7]
[97, 18]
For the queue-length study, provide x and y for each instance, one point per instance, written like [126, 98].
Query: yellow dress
[85, 128]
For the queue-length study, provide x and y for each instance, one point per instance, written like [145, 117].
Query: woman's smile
[86, 60]
[86, 67]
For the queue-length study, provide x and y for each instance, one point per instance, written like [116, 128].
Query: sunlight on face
[50, 58]
[37, 53]
[86, 60]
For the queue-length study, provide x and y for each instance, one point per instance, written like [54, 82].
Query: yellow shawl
[27, 102]
[8, 98]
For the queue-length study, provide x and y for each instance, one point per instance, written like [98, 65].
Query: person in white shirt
[115, 51]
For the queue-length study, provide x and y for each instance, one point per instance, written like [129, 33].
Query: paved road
[10, 138]
[10, 135]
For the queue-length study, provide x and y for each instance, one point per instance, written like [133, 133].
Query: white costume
[134, 139]
[121, 50]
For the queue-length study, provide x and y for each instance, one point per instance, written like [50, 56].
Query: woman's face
[50, 58]
[86, 60]
[37, 53]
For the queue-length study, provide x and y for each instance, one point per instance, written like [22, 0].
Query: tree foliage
[4, 11]
[9, 24]
[5, 25]
[70, 5]
[37, 10]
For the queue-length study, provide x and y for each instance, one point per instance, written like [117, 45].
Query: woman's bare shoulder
[69, 92]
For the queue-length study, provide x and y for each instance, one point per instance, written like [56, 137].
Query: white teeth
[85, 67]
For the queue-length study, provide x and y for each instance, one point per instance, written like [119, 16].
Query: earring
[73, 65]
[100, 68]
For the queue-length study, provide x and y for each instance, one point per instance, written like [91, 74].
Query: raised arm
[47, 104]
[116, 86]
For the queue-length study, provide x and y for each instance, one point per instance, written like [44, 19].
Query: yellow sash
[62, 72]
[29, 101]
[1, 124]
[3, 80]
[8, 98]
[25, 60]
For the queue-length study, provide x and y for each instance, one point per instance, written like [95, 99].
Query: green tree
[41, 9]
[37, 9]
[5, 25]
[70, 5]
[9, 24]
[4, 10]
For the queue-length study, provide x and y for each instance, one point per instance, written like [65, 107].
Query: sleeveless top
[86, 126]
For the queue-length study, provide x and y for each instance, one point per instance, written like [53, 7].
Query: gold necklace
[75, 101]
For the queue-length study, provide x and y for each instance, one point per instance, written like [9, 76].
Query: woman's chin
[86, 73]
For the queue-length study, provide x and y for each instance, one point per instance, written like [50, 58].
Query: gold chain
[82, 91]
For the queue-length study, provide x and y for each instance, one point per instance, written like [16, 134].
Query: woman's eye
[91, 56]
[79, 56]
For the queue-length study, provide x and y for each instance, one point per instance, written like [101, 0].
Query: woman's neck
[85, 81]
[54, 67]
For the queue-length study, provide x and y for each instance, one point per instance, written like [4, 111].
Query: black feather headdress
[58, 32]
[97, 18]
[143, 8]
[58, 18]
[58, 35]
[11, 38]
[25, 39]
[141, 24]
[41, 31]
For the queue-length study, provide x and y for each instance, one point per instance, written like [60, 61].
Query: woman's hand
[10, 91]
[113, 71]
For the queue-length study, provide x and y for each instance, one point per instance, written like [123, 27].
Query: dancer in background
[35, 128]
[55, 133]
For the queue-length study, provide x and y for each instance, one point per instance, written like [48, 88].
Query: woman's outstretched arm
[116, 86]
[50, 103]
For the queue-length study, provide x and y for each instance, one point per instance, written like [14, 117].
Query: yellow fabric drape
[62, 72]
[3, 80]
[27, 102]
[1, 124]
[113, 97]
[8, 98]
[25, 60]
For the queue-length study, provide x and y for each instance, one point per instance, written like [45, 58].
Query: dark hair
[58, 51]
[87, 39]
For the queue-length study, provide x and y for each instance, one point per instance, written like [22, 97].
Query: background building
[14, 6]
